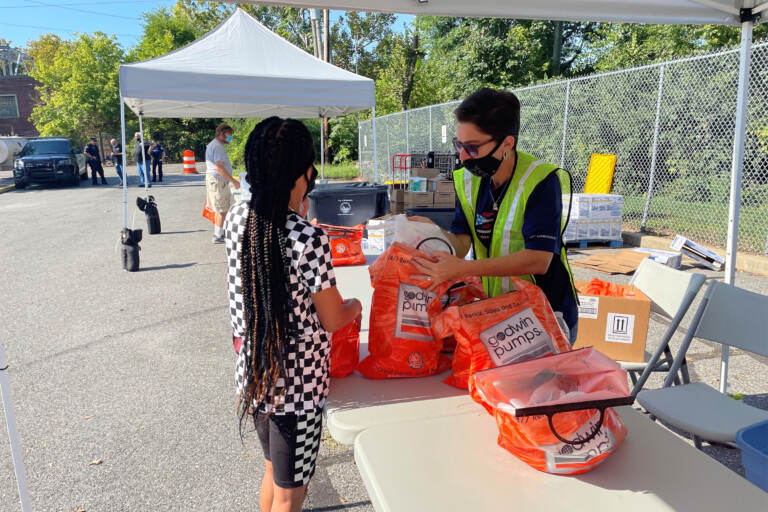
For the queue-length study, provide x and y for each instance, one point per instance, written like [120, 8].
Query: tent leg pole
[13, 436]
[737, 167]
[144, 158]
[322, 149]
[125, 169]
[375, 160]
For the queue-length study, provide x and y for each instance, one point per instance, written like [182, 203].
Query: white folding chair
[671, 292]
[731, 316]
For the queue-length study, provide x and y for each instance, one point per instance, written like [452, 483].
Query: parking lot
[123, 383]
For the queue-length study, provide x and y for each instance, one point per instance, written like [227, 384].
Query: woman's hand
[445, 267]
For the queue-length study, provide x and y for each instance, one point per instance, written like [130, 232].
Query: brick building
[17, 99]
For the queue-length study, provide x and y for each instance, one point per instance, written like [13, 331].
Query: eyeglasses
[472, 149]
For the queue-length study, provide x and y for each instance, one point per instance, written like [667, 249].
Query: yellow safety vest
[507, 234]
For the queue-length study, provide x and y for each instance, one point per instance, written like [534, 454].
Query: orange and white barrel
[189, 162]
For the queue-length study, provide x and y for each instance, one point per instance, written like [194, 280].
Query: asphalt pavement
[123, 383]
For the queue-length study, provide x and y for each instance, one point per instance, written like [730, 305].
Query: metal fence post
[654, 150]
[430, 134]
[565, 121]
[389, 152]
[407, 135]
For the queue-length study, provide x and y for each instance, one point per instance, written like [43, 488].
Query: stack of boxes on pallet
[594, 217]
[426, 189]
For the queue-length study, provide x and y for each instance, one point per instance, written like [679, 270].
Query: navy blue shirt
[541, 232]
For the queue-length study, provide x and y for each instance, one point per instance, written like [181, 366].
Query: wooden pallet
[583, 244]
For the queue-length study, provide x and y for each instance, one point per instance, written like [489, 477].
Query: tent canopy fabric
[716, 12]
[242, 69]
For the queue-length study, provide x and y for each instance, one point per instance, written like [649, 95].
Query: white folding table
[453, 463]
[356, 403]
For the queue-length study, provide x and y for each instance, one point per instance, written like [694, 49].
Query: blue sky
[25, 20]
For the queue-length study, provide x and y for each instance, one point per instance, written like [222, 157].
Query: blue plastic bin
[753, 442]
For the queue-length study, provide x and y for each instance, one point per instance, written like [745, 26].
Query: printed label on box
[619, 327]
[588, 307]
[518, 338]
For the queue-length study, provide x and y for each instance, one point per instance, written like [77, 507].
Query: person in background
[93, 158]
[157, 152]
[284, 304]
[218, 176]
[139, 152]
[508, 209]
[117, 158]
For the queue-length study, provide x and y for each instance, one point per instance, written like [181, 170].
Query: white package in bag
[426, 237]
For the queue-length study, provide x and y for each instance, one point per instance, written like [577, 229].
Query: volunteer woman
[284, 304]
[508, 209]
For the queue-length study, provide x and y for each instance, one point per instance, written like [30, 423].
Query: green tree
[79, 85]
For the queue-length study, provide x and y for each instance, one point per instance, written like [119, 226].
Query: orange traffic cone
[189, 162]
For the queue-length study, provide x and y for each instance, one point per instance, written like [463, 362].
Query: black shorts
[291, 442]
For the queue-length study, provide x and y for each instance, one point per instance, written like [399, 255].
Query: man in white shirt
[218, 176]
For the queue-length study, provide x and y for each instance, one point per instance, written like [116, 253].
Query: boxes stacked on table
[426, 189]
[593, 217]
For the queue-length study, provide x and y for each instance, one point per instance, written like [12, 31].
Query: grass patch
[702, 222]
[347, 171]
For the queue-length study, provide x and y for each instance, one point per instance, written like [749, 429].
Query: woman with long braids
[284, 305]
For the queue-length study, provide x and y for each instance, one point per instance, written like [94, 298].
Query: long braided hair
[277, 153]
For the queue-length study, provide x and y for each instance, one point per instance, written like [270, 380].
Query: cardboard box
[616, 326]
[593, 206]
[441, 186]
[397, 207]
[417, 184]
[445, 200]
[593, 229]
[381, 234]
[425, 173]
[668, 258]
[697, 252]
[622, 262]
[419, 199]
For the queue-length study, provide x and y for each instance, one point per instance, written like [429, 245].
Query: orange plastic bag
[599, 287]
[208, 213]
[345, 350]
[452, 294]
[346, 244]
[502, 330]
[400, 340]
[555, 413]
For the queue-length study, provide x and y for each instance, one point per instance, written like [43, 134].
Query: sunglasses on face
[473, 150]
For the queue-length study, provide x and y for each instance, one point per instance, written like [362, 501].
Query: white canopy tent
[744, 13]
[239, 69]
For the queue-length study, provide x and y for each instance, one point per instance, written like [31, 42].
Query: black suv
[47, 160]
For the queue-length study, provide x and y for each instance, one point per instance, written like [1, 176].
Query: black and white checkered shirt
[308, 262]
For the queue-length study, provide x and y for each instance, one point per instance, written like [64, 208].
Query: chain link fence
[669, 124]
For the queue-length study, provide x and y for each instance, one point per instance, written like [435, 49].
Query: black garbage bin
[348, 204]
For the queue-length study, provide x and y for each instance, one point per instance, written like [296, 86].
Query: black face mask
[486, 166]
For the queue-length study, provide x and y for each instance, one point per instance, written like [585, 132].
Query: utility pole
[326, 58]
[557, 48]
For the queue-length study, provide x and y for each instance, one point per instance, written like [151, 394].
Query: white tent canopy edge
[239, 69]
[744, 13]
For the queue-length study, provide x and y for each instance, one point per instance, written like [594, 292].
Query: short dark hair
[223, 128]
[494, 112]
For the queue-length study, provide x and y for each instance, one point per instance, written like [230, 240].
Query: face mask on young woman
[229, 139]
[483, 167]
